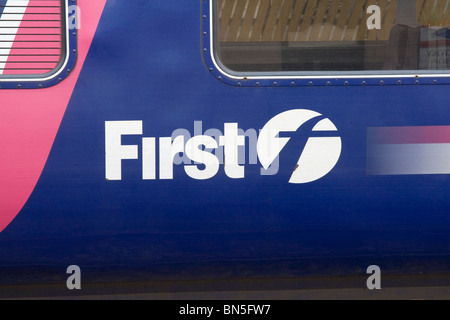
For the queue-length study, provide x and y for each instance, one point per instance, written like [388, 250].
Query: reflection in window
[332, 35]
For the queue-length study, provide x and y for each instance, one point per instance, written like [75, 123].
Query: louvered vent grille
[31, 37]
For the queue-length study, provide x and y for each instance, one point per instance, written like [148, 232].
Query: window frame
[62, 70]
[298, 78]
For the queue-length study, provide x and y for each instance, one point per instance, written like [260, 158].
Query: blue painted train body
[150, 63]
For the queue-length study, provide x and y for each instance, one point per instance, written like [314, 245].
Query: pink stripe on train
[408, 150]
[29, 121]
[409, 135]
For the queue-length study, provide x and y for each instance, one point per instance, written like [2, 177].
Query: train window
[332, 36]
[35, 47]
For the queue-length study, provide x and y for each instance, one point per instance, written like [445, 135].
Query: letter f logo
[320, 154]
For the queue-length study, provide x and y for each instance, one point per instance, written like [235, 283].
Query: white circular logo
[320, 154]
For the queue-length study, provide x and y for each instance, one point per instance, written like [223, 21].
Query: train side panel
[145, 77]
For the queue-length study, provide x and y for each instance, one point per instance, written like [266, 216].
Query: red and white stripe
[408, 150]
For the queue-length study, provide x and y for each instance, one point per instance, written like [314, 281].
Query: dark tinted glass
[330, 35]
